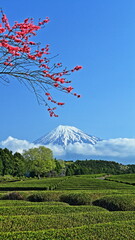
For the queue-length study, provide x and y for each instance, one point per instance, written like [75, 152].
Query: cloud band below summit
[118, 149]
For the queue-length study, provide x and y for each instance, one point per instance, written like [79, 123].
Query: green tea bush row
[125, 178]
[113, 231]
[13, 196]
[83, 182]
[46, 209]
[33, 184]
[41, 222]
[23, 203]
[88, 183]
[42, 197]
[77, 198]
[117, 202]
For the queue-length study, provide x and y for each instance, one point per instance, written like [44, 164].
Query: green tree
[6, 159]
[39, 160]
[19, 167]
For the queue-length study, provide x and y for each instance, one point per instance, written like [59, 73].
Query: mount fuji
[66, 135]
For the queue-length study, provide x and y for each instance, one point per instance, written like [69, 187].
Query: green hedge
[77, 198]
[44, 196]
[117, 202]
[108, 231]
[13, 196]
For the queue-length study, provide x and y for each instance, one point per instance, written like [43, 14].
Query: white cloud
[118, 148]
[57, 150]
[16, 145]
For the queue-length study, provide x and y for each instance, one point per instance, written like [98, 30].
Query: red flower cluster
[19, 52]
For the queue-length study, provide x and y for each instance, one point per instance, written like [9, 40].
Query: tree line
[39, 162]
[98, 166]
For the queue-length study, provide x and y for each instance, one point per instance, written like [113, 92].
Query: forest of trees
[98, 166]
[39, 162]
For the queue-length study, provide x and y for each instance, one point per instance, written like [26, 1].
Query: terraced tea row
[115, 231]
[60, 221]
[124, 178]
[47, 215]
[86, 182]
[47, 209]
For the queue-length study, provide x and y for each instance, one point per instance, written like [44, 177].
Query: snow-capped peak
[65, 135]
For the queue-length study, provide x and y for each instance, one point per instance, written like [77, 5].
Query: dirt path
[103, 178]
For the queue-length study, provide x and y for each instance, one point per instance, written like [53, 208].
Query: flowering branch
[26, 61]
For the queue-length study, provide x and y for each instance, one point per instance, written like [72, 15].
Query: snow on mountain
[65, 135]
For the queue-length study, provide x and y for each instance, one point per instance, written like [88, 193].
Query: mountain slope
[65, 135]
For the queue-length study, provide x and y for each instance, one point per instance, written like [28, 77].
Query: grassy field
[77, 207]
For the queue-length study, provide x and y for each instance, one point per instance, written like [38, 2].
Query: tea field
[68, 208]
[124, 178]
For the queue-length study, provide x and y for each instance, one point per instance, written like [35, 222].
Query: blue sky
[100, 36]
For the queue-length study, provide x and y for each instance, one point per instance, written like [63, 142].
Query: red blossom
[68, 89]
[6, 63]
[45, 66]
[59, 64]
[4, 18]
[49, 98]
[60, 103]
[41, 60]
[32, 43]
[44, 21]
[2, 29]
[16, 43]
[55, 84]
[76, 68]
[53, 101]
[62, 80]
[31, 57]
